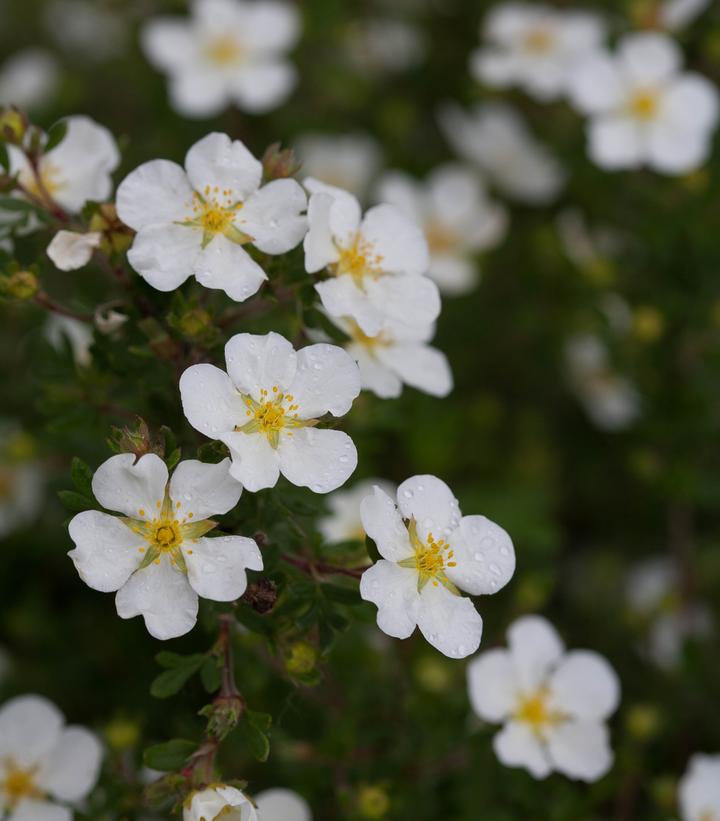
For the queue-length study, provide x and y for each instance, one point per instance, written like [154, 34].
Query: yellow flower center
[359, 261]
[534, 709]
[539, 41]
[432, 557]
[440, 238]
[224, 51]
[167, 534]
[214, 212]
[18, 783]
[272, 414]
[644, 105]
[50, 180]
[708, 815]
[359, 336]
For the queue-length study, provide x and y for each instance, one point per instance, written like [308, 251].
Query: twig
[322, 568]
[44, 301]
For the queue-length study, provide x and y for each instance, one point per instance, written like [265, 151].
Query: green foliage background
[512, 441]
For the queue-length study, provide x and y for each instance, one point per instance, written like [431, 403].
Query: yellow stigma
[533, 709]
[214, 212]
[432, 557]
[359, 261]
[644, 105]
[18, 784]
[538, 41]
[274, 413]
[224, 51]
[167, 534]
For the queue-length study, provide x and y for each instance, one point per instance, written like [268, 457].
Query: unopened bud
[279, 163]
[643, 721]
[122, 735]
[20, 285]
[13, 125]
[223, 715]
[195, 322]
[373, 802]
[301, 658]
[137, 440]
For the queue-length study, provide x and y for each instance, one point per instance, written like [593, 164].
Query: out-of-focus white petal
[585, 685]
[492, 685]
[517, 746]
[30, 727]
[535, 648]
[71, 770]
[649, 57]
[69, 250]
[580, 749]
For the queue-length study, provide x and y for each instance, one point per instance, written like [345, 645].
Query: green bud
[279, 163]
[13, 125]
[20, 285]
[121, 734]
[301, 658]
[195, 322]
[373, 802]
[643, 721]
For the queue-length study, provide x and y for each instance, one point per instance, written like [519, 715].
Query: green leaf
[210, 675]
[173, 458]
[16, 204]
[342, 595]
[76, 502]
[4, 158]
[81, 476]
[181, 668]
[169, 756]
[56, 135]
[253, 729]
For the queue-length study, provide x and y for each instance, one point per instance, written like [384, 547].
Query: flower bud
[223, 715]
[137, 440]
[13, 125]
[20, 285]
[373, 802]
[122, 734]
[107, 319]
[648, 323]
[218, 801]
[279, 163]
[301, 659]
[643, 722]
[195, 322]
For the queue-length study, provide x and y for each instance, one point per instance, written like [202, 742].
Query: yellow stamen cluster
[538, 41]
[432, 557]
[214, 212]
[275, 412]
[224, 50]
[49, 182]
[18, 783]
[167, 532]
[534, 709]
[440, 238]
[359, 261]
[644, 105]
[361, 338]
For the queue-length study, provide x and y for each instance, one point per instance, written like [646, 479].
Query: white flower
[44, 764]
[60, 330]
[382, 45]
[494, 137]
[653, 593]
[78, 169]
[458, 219]
[266, 407]
[553, 703]
[398, 354]
[194, 222]
[431, 552]
[609, 399]
[229, 51]
[28, 79]
[699, 790]
[21, 481]
[279, 804]
[156, 556]
[376, 261]
[344, 523]
[70, 250]
[676, 14]
[347, 161]
[218, 801]
[644, 109]
[535, 47]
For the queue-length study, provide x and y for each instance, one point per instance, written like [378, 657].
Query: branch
[44, 301]
[322, 568]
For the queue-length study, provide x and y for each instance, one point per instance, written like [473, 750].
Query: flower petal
[273, 216]
[700, 786]
[31, 810]
[216, 567]
[585, 685]
[210, 401]
[254, 462]
[374, 375]
[69, 250]
[492, 685]
[393, 590]
[676, 151]
[535, 648]
[271, 26]
[106, 551]
[580, 749]
[615, 142]
[398, 240]
[319, 245]
[319, 459]
[264, 85]
[449, 622]
[344, 213]
[203, 490]
[384, 525]
[227, 266]
[164, 255]
[649, 57]
[72, 768]
[419, 366]
[484, 556]
[128, 486]
[596, 84]
[167, 42]
[198, 91]
[327, 380]
[157, 192]
[431, 503]
[220, 162]
[412, 300]
[162, 595]
[282, 805]
[341, 297]
[692, 103]
[258, 362]
[517, 746]
[30, 727]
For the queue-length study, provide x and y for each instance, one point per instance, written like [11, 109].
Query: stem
[44, 301]
[228, 688]
[322, 568]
